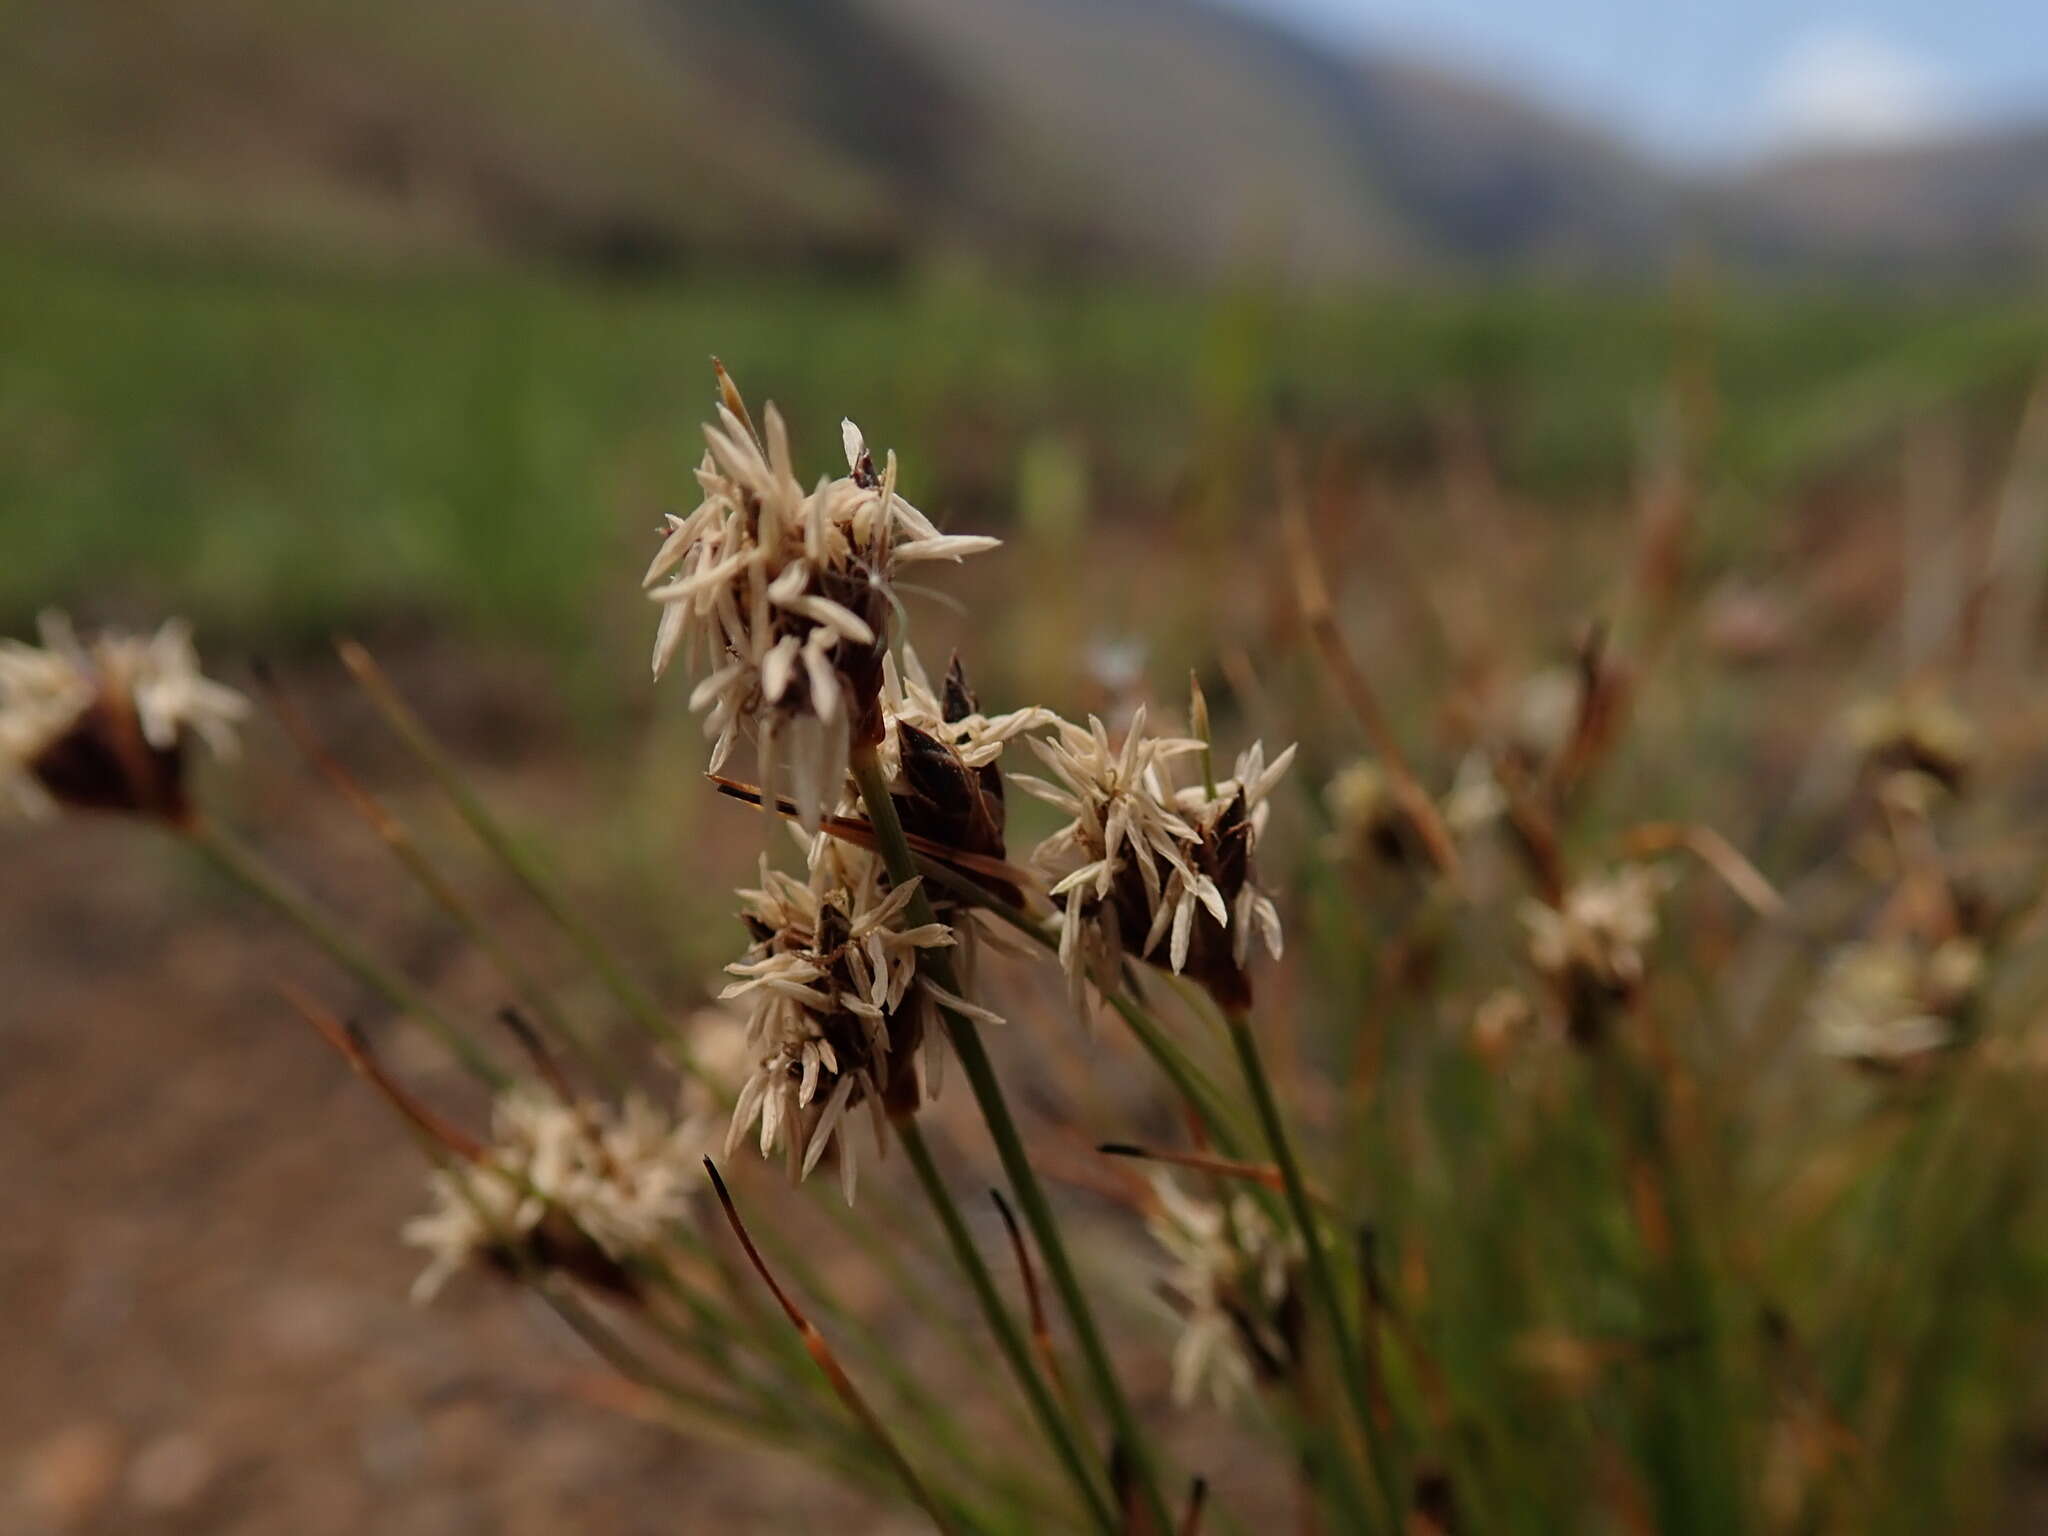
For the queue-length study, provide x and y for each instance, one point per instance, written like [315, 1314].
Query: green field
[275, 453]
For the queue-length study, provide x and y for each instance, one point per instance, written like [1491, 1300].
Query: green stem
[1187, 1078]
[246, 869]
[995, 1110]
[1004, 1326]
[523, 865]
[1322, 1278]
[479, 933]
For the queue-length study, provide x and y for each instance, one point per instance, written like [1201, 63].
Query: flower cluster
[942, 758]
[1149, 870]
[780, 600]
[1234, 1281]
[839, 1016]
[1889, 1004]
[1590, 945]
[579, 1189]
[1916, 732]
[104, 726]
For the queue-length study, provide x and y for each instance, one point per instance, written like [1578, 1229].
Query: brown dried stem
[821, 1353]
[1320, 615]
[396, 836]
[1266, 1175]
[521, 864]
[1041, 1329]
[348, 1040]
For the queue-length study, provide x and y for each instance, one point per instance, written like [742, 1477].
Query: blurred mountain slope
[1980, 203]
[1063, 134]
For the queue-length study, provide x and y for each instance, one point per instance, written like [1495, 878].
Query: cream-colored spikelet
[1600, 931]
[838, 1015]
[779, 600]
[1916, 731]
[582, 1190]
[948, 713]
[1233, 1280]
[1890, 1003]
[1149, 870]
[103, 725]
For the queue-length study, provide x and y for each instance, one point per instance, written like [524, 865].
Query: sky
[1709, 81]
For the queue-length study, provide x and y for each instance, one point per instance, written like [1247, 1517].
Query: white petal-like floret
[776, 596]
[624, 1176]
[1891, 1002]
[1602, 927]
[1231, 1276]
[829, 987]
[1136, 848]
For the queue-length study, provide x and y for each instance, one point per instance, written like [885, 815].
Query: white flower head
[780, 599]
[583, 1189]
[949, 714]
[1600, 931]
[838, 1015]
[103, 725]
[1917, 732]
[942, 758]
[1233, 1281]
[1891, 1003]
[1149, 870]
[1370, 823]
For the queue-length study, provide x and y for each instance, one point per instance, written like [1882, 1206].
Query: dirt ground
[206, 1324]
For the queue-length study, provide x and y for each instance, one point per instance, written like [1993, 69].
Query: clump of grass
[1567, 1165]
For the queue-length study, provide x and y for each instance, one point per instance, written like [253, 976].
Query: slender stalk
[828, 1363]
[246, 869]
[522, 864]
[1322, 1278]
[398, 838]
[988, 1094]
[1188, 1080]
[1043, 1405]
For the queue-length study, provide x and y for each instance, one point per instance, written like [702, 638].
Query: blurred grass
[278, 452]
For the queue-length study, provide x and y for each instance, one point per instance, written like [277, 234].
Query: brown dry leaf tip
[779, 601]
[1235, 1282]
[324, 762]
[1590, 944]
[839, 1016]
[1149, 870]
[1041, 1327]
[1600, 690]
[1265, 1174]
[543, 1061]
[1895, 1006]
[821, 1354]
[353, 1046]
[1714, 851]
[103, 726]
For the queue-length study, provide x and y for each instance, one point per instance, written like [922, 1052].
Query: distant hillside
[1980, 203]
[1155, 135]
